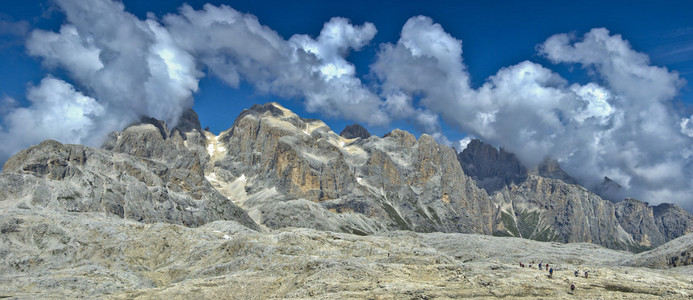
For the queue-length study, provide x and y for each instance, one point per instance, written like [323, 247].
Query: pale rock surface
[353, 185]
[59, 254]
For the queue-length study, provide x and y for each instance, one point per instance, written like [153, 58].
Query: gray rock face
[148, 175]
[353, 131]
[491, 169]
[637, 218]
[547, 204]
[653, 226]
[551, 210]
[672, 220]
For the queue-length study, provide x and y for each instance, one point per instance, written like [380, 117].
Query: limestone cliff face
[374, 184]
[549, 209]
[147, 175]
[637, 218]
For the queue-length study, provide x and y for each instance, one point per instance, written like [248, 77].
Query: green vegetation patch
[510, 225]
[392, 213]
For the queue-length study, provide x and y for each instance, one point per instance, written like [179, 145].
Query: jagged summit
[301, 167]
[354, 131]
[494, 168]
[273, 108]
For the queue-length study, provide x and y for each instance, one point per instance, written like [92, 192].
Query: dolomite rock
[546, 204]
[76, 178]
[364, 185]
[491, 169]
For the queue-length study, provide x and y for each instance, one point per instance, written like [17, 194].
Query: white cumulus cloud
[235, 46]
[620, 125]
[57, 111]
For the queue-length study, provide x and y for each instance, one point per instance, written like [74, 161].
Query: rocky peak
[491, 168]
[189, 121]
[609, 190]
[354, 131]
[549, 168]
[403, 138]
[73, 178]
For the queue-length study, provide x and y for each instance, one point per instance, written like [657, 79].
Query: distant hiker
[586, 274]
[539, 266]
[547, 266]
[577, 273]
[521, 265]
[551, 273]
[572, 287]
[530, 265]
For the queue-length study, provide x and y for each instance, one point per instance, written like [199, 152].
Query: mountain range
[273, 170]
[281, 170]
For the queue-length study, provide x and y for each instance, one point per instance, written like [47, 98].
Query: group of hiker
[545, 266]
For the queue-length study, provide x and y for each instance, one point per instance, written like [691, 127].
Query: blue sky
[602, 86]
[495, 34]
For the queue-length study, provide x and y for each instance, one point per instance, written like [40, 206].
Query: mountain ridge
[387, 180]
[283, 170]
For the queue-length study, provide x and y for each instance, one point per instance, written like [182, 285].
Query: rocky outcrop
[676, 253]
[355, 131]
